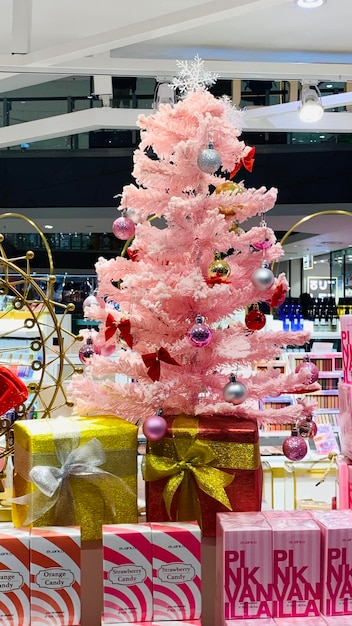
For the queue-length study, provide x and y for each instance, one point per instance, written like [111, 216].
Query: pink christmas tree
[174, 333]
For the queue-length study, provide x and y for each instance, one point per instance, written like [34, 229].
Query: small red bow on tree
[124, 327]
[279, 295]
[132, 254]
[152, 362]
[216, 280]
[247, 161]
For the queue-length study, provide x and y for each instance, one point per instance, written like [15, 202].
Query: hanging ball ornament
[255, 319]
[231, 188]
[235, 228]
[307, 428]
[234, 391]
[155, 426]
[107, 349]
[123, 228]
[90, 301]
[200, 334]
[209, 160]
[219, 268]
[263, 278]
[311, 367]
[295, 447]
[87, 351]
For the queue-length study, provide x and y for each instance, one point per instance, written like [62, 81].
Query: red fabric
[152, 362]
[244, 493]
[12, 390]
[247, 161]
[110, 327]
[132, 254]
[125, 332]
[217, 281]
[279, 295]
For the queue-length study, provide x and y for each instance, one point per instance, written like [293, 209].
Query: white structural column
[21, 26]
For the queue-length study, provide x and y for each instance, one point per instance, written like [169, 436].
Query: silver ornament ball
[263, 278]
[235, 391]
[209, 160]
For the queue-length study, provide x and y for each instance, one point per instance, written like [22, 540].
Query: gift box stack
[290, 567]
[203, 466]
[152, 574]
[75, 472]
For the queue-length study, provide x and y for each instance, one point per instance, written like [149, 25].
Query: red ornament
[311, 367]
[307, 428]
[255, 319]
[295, 447]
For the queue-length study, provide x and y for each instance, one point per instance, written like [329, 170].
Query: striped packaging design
[127, 573]
[176, 571]
[243, 567]
[296, 567]
[14, 577]
[55, 576]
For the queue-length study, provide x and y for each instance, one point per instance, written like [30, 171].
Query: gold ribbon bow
[193, 465]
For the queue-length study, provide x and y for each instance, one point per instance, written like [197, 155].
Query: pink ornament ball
[107, 350]
[154, 427]
[311, 367]
[123, 228]
[295, 447]
[200, 334]
[87, 351]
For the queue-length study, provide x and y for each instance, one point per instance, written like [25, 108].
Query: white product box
[336, 531]
[55, 572]
[176, 549]
[127, 573]
[243, 567]
[14, 577]
[296, 566]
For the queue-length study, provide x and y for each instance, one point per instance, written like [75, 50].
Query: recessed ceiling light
[310, 4]
[48, 226]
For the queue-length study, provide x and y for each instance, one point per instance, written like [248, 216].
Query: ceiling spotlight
[310, 4]
[311, 107]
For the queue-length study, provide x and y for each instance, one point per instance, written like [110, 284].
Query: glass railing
[93, 242]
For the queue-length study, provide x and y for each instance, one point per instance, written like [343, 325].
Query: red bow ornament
[152, 362]
[247, 161]
[124, 327]
[279, 295]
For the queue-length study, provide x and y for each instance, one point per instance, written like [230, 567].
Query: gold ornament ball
[235, 228]
[219, 268]
[231, 188]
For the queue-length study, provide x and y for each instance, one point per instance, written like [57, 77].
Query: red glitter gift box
[204, 465]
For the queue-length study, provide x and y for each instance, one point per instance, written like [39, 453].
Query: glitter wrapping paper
[203, 466]
[108, 499]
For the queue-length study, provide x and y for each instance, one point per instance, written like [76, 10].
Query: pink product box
[187, 622]
[296, 567]
[250, 622]
[176, 559]
[285, 514]
[127, 573]
[337, 620]
[336, 531]
[55, 576]
[345, 418]
[14, 577]
[343, 499]
[243, 568]
[346, 347]
[349, 477]
[298, 621]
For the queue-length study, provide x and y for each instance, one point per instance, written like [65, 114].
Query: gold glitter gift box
[78, 471]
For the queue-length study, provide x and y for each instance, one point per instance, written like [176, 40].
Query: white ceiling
[238, 39]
